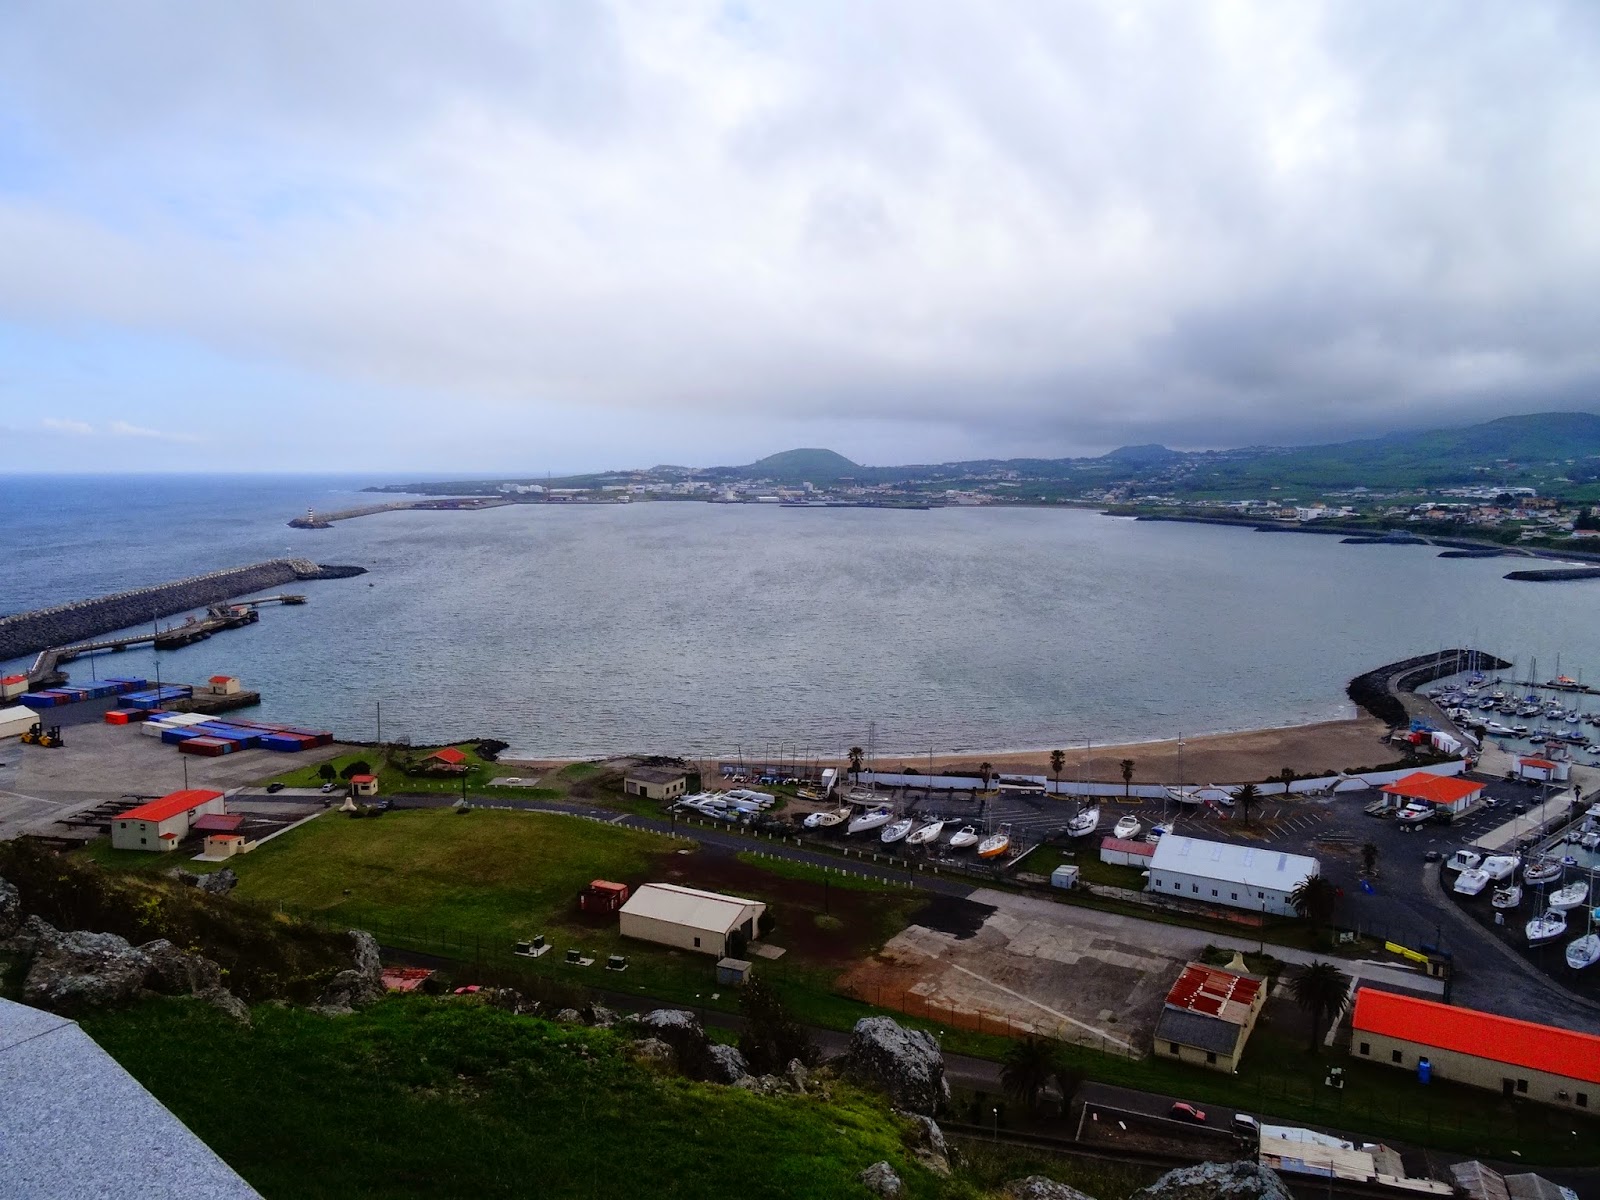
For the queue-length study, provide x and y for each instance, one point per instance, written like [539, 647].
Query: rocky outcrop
[1217, 1181]
[880, 1180]
[357, 986]
[569, 1016]
[905, 1063]
[222, 998]
[927, 1144]
[601, 1017]
[724, 1064]
[797, 1074]
[175, 972]
[10, 909]
[77, 971]
[1040, 1187]
[654, 1052]
[215, 883]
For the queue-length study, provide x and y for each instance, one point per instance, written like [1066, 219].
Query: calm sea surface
[700, 628]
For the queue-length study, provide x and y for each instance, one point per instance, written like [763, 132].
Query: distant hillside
[817, 466]
[1141, 455]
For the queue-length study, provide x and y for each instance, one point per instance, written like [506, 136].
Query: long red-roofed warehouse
[162, 824]
[1503, 1054]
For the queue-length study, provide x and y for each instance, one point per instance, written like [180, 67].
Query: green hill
[815, 466]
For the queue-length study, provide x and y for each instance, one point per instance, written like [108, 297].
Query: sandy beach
[1252, 755]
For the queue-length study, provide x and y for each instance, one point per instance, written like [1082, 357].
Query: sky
[515, 238]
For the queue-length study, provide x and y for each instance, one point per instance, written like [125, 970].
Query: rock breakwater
[62, 624]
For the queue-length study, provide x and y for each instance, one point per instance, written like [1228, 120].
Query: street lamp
[996, 1111]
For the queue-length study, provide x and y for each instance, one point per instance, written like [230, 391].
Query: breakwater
[1381, 691]
[25, 633]
[1556, 574]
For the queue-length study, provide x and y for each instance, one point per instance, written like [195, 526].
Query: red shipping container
[116, 717]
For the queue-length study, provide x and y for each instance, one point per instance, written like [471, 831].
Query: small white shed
[16, 721]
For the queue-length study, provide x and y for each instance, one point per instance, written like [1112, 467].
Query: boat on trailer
[928, 833]
[1546, 927]
[996, 843]
[897, 831]
[966, 836]
[1471, 882]
[1507, 897]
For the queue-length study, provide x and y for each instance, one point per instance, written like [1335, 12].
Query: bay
[700, 629]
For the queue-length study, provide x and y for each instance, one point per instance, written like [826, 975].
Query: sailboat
[996, 843]
[1084, 822]
[897, 831]
[871, 819]
[1507, 897]
[1570, 895]
[826, 819]
[966, 836]
[1546, 927]
[928, 833]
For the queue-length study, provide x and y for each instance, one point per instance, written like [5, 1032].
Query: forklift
[38, 735]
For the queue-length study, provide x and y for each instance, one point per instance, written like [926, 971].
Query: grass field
[419, 1097]
[394, 781]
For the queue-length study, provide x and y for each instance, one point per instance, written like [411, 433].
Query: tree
[326, 773]
[1058, 759]
[1286, 777]
[857, 757]
[1127, 777]
[1369, 858]
[1313, 899]
[1028, 1065]
[772, 1037]
[1319, 988]
[359, 767]
[986, 770]
[1246, 798]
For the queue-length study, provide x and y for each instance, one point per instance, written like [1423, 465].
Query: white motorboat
[963, 837]
[1126, 829]
[1472, 881]
[1084, 822]
[1546, 927]
[1541, 870]
[897, 831]
[828, 820]
[927, 834]
[1584, 952]
[1188, 797]
[1507, 897]
[1463, 860]
[1156, 832]
[1501, 867]
[873, 818]
[996, 843]
[1415, 814]
[1570, 896]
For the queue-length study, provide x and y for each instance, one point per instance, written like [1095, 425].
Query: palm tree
[1027, 1066]
[985, 769]
[1313, 899]
[1058, 759]
[1320, 989]
[857, 757]
[1369, 858]
[1286, 777]
[1245, 798]
[1127, 777]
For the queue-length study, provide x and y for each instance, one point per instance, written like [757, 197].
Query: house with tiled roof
[1209, 1015]
[162, 824]
[1516, 1058]
[1447, 794]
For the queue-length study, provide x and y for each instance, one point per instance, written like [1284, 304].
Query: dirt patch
[961, 919]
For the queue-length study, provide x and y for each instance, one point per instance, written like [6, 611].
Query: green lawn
[1091, 870]
[418, 1097]
[392, 780]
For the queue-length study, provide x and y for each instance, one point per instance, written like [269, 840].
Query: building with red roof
[1446, 793]
[1542, 770]
[162, 824]
[1503, 1054]
[448, 759]
[1209, 1016]
[364, 785]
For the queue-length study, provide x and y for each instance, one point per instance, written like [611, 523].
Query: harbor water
[695, 628]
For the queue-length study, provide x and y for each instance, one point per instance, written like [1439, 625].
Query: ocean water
[707, 629]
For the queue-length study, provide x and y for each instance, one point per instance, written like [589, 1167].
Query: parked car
[326, 788]
[1431, 856]
[1187, 1112]
[1247, 1126]
[274, 787]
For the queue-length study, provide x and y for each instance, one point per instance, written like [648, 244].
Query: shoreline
[1233, 757]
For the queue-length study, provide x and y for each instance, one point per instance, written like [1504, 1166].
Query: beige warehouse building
[689, 919]
[1501, 1054]
[656, 783]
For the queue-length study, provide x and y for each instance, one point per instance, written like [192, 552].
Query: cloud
[115, 429]
[123, 429]
[1023, 227]
[61, 425]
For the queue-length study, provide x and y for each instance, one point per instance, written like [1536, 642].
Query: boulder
[905, 1063]
[26, 939]
[187, 878]
[1040, 1187]
[653, 1051]
[927, 1144]
[570, 1016]
[78, 971]
[881, 1180]
[683, 1032]
[176, 972]
[357, 986]
[724, 1064]
[10, 909]
[762, 1085]
[1217, 1181]
[218, 883]
[601, 1017]
[220, 997]
[798, 1074]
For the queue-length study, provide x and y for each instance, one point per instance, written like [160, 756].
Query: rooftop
[170, 805]
[450, 755]
[1214, 992]
[1251, 865]
[1437, 789]
[1123, 846]
[217, 822]
[1483, 1035]
[656, 774]
[688, 906]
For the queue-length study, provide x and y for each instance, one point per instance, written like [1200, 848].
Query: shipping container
[176, 737]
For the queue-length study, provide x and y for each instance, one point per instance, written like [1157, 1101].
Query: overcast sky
[541, 236]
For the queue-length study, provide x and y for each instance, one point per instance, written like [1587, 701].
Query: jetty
[316, 520]
[1389, 692]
